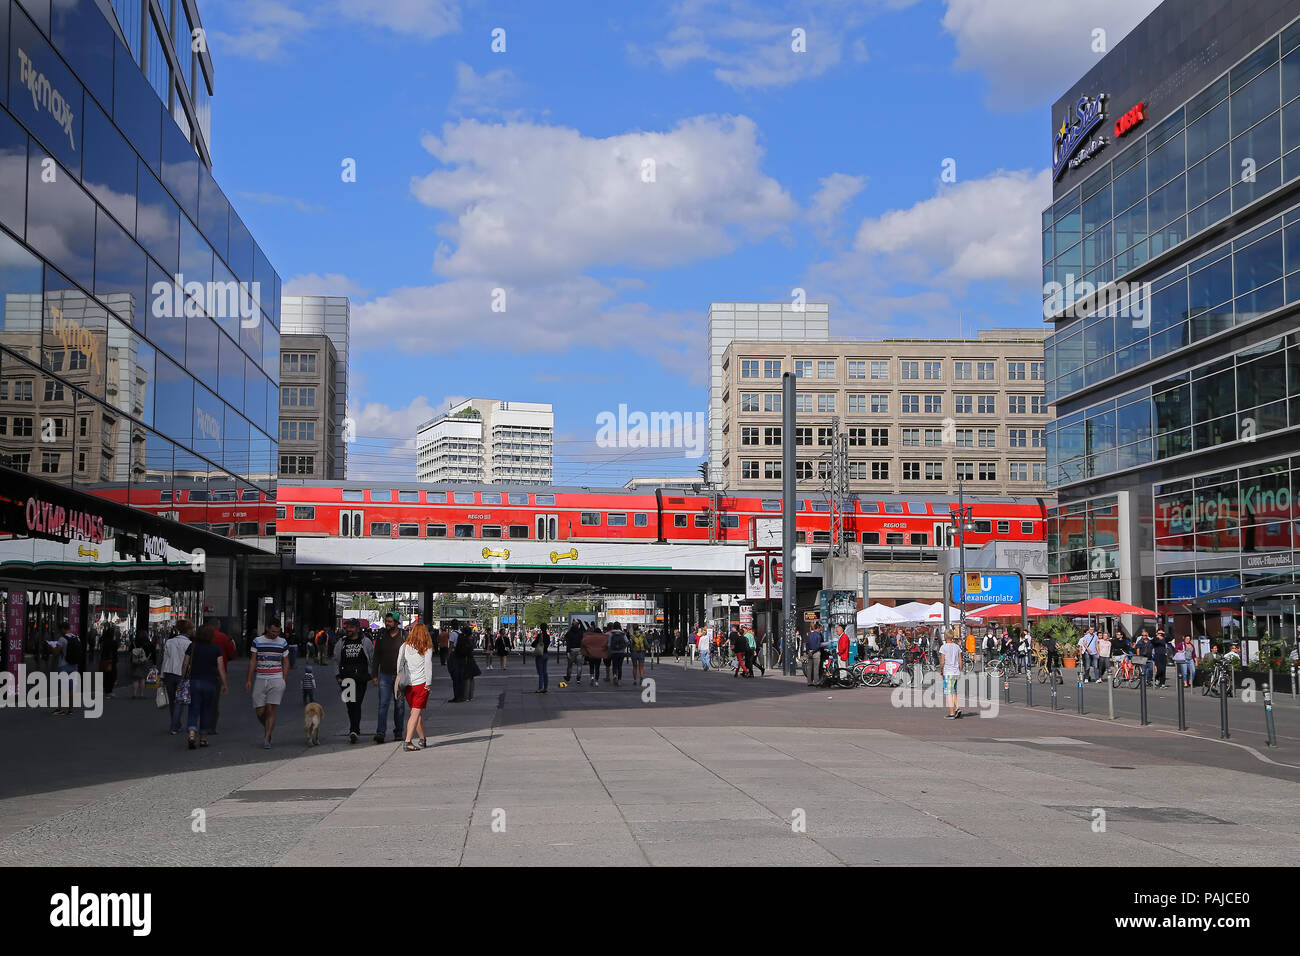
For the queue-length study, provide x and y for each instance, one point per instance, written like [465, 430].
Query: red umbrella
[1101, 607]
[1008, 610]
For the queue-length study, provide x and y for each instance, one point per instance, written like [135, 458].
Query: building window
[772, 402]
[297, 464]
[880, 404]
[826, 403]
[303, 397]
[857, 404]
[988, 437]
[933, 437]
[911, 404]
[961, 370]
[1036, 371]
[1016, 371]
[304, 362]
[297, 431]
[803, 368]
[988, 405]
[934, 471]
[749, 436]
[984, 371]
[1038, 404]
[911, 437]
[911, 471]
[803, 435]
[1015, 404]
[748, 468]
[934, 371]
[749, 401]
[1018, 437]
[857, 470]
[965, 471]
[988, 471]
[749, 368]
[825, 436]
[81, 461]
[934, 404]
[880, 471]
[21, 461]
[22, 427]
[772, 436]
[771, 469]
[1038, 436]
[962, 404]
[857, 368]
[965, 438]
[53, 390]
[825, 368]
[911, 370]
[802, 470]
[49, 463]
[857, 437]
[1038, 471]
[803, 403]
[771, 368]
[880, 437]
[880, 371]
[1019, 470]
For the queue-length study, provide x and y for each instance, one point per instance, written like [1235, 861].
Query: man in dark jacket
[739, 647]
[355, 658]
[384, 675]
[813, 645]
[573, 652]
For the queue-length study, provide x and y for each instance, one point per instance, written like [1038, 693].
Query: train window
[301, 513]
[850, 536]
[821, 537]
[519, 531]
[409, 497]
[616, 520]
[520, 498]
[490, 498]
[893, 508]
[771, 504]
[591, 517]
[1026, 527]
[917, 508]
[640, 521]
[801, 537]
[464, 530]
[436, 497]
[246, 529]
[279, 512]
[223, 496]
[821, 506]
[731, 521]
[408, 530]
[894, 537]
[870, 507]
[270, 496]
[548, 500]
[462, 497]
[381, 496]
[1004, 527]
[221, 529]
[435, 531]
[381, 529]
[921, 539]
[248, 496]
[270, 529]
[871, 537]
[198, 494]
[701, 521]
[165, 495]
[492, 531]
[983, 527]
[351, 494]
[679, 521]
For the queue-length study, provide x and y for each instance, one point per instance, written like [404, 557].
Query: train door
[943, 537]
[350, 524]
[548, 527]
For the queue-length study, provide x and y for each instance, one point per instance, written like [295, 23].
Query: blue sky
[522, 170]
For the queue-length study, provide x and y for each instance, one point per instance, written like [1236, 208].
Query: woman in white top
[415, 673]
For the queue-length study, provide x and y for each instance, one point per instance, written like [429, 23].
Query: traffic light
[704, 471]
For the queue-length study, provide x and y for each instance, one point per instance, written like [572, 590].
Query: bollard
[1110, 698]
[1269, 724]
[1079, 702]
[1142, 700]
[1029, 690]
[1051, 679]
[1293, 681]
[1182, 705]
[1006, 689]
[1223, 714]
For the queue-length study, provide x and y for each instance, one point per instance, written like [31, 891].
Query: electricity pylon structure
[833, 466]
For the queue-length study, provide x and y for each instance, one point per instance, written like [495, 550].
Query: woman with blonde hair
[414, 674]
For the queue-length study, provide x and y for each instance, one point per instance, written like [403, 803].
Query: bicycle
[1002, 664]
[1220, 680]
[1046, 672]
[1124, 671]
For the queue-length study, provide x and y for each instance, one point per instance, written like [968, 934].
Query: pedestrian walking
[1159, 657]
[814, 646]
[205, 668]
[142, 651]
[618, 649]
[228, 654]
[354, 658]
[541, 644]
[109, 648]
[415, 674]
[384, 675]
[502, 647]
[173, 669]
[1088, 646]
[461, 664]
[573, 652]
[637, 640]
[268, 674]
[308, 686]
[951, 655]
[66, 658]
[1142, 648]
[595, 648]
[679, 645]
[444, 637]
[705, 647]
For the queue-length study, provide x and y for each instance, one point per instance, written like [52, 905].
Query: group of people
[1150, 655]
[590, 646]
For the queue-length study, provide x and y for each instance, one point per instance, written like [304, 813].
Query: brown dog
[313, 716]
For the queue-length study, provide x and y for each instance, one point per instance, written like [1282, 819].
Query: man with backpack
[618, 647]
[68, 656]
[638, 642]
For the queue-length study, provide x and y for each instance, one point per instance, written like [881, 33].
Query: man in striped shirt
[268, 672]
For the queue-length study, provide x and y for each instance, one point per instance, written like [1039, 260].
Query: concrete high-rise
[490, 441]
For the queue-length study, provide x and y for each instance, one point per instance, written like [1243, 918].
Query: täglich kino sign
[1072, 136]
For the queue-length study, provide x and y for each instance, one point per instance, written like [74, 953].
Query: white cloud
[385, 437]
[264, 26]
[1032, 52]
[262, 29]
[836, 191]
[532, 201]
[424, 19]
[914, 265]
[331, 283]
[751, 46]
[484, 93]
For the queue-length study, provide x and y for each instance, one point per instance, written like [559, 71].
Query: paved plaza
[714, 770]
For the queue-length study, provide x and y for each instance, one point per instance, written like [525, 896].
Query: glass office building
[139, 342]
[1171, 271]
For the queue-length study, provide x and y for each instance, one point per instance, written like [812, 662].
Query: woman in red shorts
[416, 659]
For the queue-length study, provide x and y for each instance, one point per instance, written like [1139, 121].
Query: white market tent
[878, 614]
[915, 612]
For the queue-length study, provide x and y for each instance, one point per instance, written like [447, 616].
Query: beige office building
[920, 415]
[309, 436]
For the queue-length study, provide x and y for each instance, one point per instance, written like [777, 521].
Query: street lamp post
[961, 523]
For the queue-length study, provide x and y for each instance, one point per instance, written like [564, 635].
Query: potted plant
[1062, 630]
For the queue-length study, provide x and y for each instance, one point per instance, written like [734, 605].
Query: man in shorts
[268, 672]
[951, 656]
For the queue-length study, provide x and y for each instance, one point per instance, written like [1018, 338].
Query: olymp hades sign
[56, 521]
[1073, 145]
